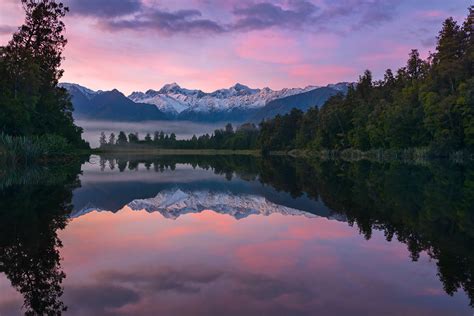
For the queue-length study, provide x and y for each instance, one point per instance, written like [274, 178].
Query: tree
[416, 67]
[449, 53]
[122, 138]
[103, 139]
[156, 137]
[112, 139]
[133, 138]
[148, 138]
[31, 103]
[229, 129]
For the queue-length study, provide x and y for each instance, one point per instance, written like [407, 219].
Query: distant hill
[302, 101]
[237, 104]
[110, 106]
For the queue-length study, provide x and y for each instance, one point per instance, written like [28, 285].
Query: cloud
[162, 290]
[428, 42]
[265, 15]
[359, 14]
[104, 8]
[163, 279]
[7, 29]
[243, 16]
[376, 12]
[167, 22]
[99, 298]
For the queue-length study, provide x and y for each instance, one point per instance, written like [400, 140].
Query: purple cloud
[245, 16]
[7, 29]
[167, 22]
[104, 8]
[265, 14]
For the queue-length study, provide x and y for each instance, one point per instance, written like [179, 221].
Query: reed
[22, 149]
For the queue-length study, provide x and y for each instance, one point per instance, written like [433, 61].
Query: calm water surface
[236, 236]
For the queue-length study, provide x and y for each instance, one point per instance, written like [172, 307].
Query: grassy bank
[411, 154]
[26, 150]
[149, 150]
[407, 155]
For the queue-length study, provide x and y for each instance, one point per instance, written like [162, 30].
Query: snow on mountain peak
[170, 87]
[174, 99]
[88, 93]
[174, 203]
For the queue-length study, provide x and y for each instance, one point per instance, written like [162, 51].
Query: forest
[428, 106]
[35, 114]
[240, 138]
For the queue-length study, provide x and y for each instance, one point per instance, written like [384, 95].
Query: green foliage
[244, 137]
[122, 139]
[132, 138]
[427, 103]
[280, 133]
[31, 103]
[28, 149]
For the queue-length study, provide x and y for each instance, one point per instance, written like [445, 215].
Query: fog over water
[182, 129]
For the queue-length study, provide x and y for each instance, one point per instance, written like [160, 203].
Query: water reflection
[123, 254]
[34, 205]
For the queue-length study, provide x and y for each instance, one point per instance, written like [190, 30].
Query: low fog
[182, 129]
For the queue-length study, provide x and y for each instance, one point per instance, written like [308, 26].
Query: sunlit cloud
[136, 45]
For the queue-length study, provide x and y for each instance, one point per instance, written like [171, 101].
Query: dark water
[236, 236]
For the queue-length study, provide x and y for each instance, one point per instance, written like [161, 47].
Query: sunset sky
[209, 44]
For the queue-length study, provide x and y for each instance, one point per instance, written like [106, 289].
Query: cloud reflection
[251, 267]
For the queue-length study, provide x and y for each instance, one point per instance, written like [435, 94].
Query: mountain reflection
[175, 203]
[427, 207]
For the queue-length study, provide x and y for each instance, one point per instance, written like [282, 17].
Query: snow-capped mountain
[238, 103]
[109, 105]
[176, 202]
[174, 99]
[88, 93]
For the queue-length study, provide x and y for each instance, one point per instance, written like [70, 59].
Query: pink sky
[136, 263]
[209, 44]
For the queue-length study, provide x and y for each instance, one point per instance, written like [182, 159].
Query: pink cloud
[319, 74]
[275, 57]
[433, 14]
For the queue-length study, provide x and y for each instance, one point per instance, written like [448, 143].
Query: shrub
[28, 149]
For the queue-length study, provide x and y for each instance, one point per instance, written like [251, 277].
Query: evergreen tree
[133, 138]
[122, 138]
[112, 139]
[103, 139]
[31, 103]
[148, 138]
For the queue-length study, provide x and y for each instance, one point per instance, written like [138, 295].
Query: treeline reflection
[34, 206]
[429, 207]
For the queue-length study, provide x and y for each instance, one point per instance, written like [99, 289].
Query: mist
[182, 129]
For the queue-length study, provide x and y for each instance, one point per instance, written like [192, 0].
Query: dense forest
[243, 137]
[427, 106]
[33, 109]
[427, 103]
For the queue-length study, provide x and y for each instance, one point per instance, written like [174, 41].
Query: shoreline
[171, 152]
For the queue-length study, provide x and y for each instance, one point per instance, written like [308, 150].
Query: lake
[236, 235]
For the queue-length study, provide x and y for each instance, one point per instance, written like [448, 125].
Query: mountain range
[238, 103]
[174, 203]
